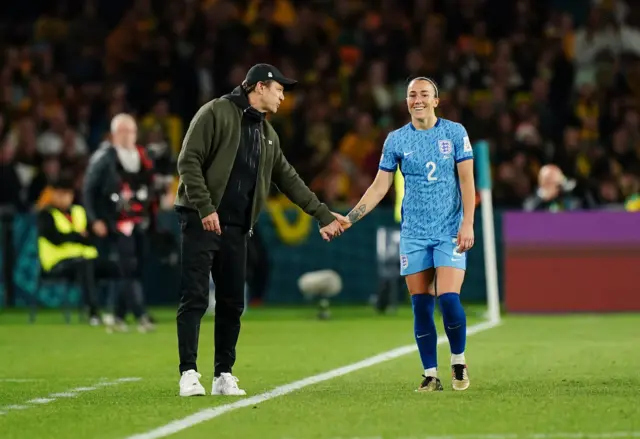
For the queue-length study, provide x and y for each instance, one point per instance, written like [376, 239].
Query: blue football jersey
[432, 203]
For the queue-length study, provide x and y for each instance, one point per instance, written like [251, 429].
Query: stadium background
[542, 81]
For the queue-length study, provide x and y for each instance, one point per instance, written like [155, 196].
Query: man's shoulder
[215, 104]
[104, 152]
[217, 107]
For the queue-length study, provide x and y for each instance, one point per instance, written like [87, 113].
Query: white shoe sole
[193, 392]
[461, 387]
[218, 393]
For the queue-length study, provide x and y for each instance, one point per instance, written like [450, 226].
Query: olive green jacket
[208, 152]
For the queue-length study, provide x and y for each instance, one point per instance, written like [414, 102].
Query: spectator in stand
[548, 86]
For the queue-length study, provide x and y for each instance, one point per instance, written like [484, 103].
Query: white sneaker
[226, 384]
[190, 384]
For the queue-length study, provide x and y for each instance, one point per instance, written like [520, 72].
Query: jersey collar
[435, 126]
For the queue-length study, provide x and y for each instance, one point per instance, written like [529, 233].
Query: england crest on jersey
[404, 261]
[445, 146]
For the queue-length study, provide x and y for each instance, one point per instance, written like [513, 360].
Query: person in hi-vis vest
[64, 246]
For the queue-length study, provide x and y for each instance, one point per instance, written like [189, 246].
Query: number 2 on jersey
[431, 166]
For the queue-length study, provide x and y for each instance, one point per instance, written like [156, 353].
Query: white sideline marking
[70, 394]
[41, 401]
[208, 414]
[83, 389]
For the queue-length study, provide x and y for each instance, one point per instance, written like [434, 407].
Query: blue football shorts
[417, 255]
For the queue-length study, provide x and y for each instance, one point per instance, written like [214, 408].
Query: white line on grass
[128, 379]
[41, 401]
[69, 394]
[83, 389]
[208, 414]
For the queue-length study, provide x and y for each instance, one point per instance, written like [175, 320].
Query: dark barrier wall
[294, 248]
[572, 262]
[560, 262]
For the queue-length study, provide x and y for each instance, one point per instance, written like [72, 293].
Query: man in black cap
[229, 157]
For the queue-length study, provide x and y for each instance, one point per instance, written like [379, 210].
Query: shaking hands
[336, 228]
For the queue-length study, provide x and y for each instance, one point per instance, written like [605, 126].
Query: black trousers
[224, 256]
[257, 267]
[129, 295]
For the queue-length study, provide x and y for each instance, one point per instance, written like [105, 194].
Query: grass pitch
[534, 377]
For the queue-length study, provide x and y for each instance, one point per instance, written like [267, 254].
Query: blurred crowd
[542, 81]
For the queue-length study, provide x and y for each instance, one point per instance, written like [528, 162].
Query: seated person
[64, 247]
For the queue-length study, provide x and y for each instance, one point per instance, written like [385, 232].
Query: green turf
[530, 375]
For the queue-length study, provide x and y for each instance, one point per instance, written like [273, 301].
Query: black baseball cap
[267, 72]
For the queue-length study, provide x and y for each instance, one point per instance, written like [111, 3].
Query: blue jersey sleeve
[462, 145]
[389, 160]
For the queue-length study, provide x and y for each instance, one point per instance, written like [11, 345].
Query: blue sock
[425, 329]
[455, 321]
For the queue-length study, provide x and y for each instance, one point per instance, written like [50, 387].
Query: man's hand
[465, 237]
[343, 220]
[211, 223]
[99, 228]
[331, 231]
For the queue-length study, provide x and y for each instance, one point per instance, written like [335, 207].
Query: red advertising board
[572, 262]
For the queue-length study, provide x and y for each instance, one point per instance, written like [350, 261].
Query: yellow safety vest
[398, 182]
[633, 203]
[51, 254]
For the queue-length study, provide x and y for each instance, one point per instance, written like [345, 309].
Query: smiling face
[422, 99]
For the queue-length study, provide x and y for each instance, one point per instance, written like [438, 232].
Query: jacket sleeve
[93, 180]
[290, 184]
[196, 147]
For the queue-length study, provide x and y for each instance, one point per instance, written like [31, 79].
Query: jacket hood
[239, 97]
